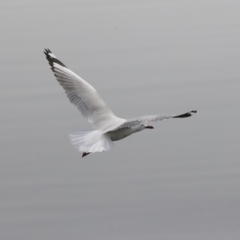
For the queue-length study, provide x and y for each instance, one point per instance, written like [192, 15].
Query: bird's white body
[124, 132]
[106, 126]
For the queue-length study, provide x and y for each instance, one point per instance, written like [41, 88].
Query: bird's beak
[150, 127]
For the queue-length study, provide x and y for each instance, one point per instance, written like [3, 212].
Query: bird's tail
[90, 141]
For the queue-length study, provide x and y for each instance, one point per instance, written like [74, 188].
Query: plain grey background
[178, 181]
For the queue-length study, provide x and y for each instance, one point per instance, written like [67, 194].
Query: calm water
[178, 181]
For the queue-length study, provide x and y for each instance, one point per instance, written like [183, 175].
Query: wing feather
[130, 123]
[83, 96]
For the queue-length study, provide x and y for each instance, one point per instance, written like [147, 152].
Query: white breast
[124, 132]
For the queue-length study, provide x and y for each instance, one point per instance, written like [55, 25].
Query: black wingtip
[188, 114]
[47, 51]
[52, 59]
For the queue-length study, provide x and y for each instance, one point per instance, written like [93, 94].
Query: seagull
[107, 127]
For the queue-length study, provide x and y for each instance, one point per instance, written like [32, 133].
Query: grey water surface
[179, 181]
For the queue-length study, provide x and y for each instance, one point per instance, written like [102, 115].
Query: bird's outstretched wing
[83, 96]
[135, 122]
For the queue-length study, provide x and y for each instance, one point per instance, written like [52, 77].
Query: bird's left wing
[135, 122]
[83, 96]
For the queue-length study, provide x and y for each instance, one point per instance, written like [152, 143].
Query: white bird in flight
[107, 126]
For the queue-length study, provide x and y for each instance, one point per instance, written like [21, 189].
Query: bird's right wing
[153, 118]
[83, 96]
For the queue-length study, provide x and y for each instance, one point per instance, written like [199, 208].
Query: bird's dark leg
[85, 154]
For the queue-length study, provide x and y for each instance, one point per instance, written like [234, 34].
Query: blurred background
[178, 181]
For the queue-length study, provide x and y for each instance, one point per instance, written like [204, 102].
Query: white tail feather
[91, 141]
